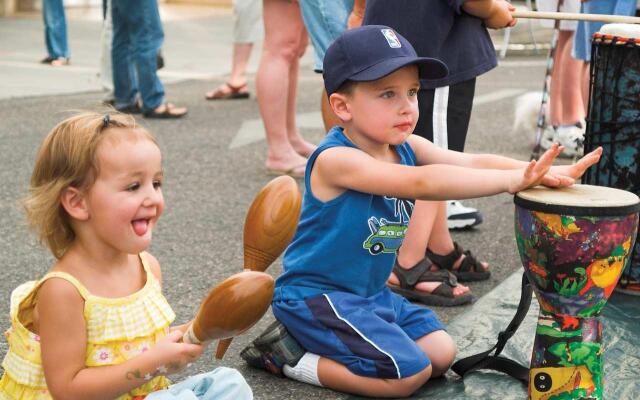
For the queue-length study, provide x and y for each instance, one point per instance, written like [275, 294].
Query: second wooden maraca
[240, 301]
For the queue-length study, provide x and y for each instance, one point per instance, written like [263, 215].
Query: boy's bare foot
[429, 287]
[462, 263]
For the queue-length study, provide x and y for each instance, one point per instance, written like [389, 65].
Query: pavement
[214, 159]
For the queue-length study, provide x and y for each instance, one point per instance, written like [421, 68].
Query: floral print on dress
[103, 355]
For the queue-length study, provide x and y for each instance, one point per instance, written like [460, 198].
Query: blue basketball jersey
[347, 244]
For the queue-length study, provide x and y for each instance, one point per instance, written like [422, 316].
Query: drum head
[631, 31]
[580, 200]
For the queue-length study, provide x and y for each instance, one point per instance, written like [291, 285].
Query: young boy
[360, 337]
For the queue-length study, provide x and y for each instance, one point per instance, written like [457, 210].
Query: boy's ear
[74, 203]
[340, 106]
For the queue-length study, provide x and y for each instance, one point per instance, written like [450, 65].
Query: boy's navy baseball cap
[371, 52]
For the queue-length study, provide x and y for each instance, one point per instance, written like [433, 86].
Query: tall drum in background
[613, 121]
[573, 243]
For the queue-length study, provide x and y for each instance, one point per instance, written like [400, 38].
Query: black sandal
[470, 269]
[421, 272]
[169, 111]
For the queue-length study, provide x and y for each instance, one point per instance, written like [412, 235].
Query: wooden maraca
[271, 222]
[268, 228]
[232, 307]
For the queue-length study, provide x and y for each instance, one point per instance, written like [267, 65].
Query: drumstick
[623, 19]
[230, 308]
[268, 228]
[271, 222]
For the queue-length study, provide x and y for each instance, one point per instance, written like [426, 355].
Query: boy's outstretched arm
[339, 169]
[496, 14]
[428, 153]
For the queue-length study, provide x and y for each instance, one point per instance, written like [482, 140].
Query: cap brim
[428, 68]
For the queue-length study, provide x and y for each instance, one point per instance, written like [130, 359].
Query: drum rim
[579, 211]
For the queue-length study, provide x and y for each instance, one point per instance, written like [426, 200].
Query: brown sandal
[227, 91]
[421, 272]
[169, 111]
[470, 269]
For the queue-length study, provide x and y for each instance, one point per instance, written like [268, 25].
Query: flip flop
[232, 92]
[169, 111]
[295, 172]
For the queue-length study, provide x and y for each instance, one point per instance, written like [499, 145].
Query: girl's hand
[576, 170]
[173, 355]
[537, 171]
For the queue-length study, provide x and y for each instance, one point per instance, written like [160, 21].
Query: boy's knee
[407, 386]
[442, 360]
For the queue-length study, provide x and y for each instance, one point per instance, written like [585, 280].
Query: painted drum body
[574, 244]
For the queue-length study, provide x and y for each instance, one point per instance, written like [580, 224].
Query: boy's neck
[377, 150]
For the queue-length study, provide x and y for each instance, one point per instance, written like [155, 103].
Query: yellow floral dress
[117, 330]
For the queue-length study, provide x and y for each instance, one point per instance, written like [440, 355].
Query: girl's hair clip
[106, 120]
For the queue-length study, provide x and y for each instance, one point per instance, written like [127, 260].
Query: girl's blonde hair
[67, 158]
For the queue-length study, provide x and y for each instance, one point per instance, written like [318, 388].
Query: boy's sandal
[442, 295]
[470, 269]
[168, 111]
[227, 91]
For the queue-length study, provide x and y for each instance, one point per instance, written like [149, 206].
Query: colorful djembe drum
[613, 121]
[574, 243]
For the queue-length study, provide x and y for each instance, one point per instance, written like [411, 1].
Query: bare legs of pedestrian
[277, 82]
[567, 104]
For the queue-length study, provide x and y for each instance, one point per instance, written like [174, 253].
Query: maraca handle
[190, 337]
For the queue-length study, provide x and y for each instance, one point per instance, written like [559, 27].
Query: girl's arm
[63, 340]
[341, 168]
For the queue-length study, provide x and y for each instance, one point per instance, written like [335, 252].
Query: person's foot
[453, 259]
[166, 111]
[228, 91]
[462, 217]
[55, 61]
[428, 287]
[572, 138]
[293, 165]
[301, 146]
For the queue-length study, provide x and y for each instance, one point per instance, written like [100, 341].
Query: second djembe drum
[614, 121]
[573, 243]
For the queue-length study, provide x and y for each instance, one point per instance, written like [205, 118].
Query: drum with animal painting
[574, 243]
[613, 121]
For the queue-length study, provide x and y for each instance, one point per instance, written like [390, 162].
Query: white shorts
[247, 24]
[568, 6]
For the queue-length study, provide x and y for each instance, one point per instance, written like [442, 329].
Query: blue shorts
[325, 21]
[372, 336]
[584, 32]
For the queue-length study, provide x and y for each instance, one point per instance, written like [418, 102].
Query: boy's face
[385, 110]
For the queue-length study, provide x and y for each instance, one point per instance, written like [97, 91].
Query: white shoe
[548, 137]
[572, 138]
[460, 217]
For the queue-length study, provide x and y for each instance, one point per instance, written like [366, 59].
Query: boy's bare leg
[329, 119]
[338, 377]
[428, 225]
[441, 350]
[438, 346]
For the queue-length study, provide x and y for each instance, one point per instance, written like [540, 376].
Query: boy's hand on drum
[537, 172]
[576, 170]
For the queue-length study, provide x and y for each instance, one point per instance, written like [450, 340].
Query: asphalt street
[214, 163]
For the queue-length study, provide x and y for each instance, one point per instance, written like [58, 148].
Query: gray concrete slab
[210, 182]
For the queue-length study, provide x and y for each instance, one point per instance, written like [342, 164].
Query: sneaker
[461, 217]
[274, 348]
[548, 137]
[572, 138]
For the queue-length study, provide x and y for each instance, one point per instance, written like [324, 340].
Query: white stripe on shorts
[363, 336]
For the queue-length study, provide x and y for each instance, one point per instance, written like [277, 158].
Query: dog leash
[497, 362]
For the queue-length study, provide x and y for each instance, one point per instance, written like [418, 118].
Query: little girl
[97, 325]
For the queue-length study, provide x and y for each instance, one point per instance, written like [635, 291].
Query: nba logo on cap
[391, 37]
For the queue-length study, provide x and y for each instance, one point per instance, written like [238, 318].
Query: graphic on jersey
[386, 236]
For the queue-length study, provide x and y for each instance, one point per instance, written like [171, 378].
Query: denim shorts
[585, 30]
[325, 20]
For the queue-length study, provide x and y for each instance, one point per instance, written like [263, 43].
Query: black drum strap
[496, 361]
